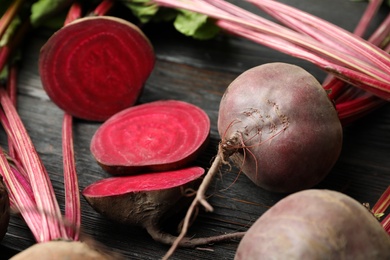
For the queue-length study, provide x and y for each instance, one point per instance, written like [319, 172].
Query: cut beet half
[156, 136]
[95, 67]
[144, 199]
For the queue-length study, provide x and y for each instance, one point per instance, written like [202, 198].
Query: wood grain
[198, 72]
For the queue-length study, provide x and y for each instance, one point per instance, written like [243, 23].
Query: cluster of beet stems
[30, 190]
[358, 82]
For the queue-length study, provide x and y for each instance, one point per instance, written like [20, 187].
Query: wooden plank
[198, 72]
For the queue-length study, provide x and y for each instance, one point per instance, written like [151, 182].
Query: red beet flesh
[157, 136]
[116, 186]
[95, 67]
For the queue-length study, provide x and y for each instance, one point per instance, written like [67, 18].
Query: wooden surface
[198, 72]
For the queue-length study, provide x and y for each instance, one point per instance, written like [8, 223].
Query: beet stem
[72, 195]
[349, 40]
[364, 22]
[20, 197]
[367, 70]
[12, 92]
[37, 174]
[74, 13]
[383, 202]
[381, 33]
[9, 15]
[386, 223]
[103, 8]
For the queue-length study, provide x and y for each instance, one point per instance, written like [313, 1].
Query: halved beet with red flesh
[95, 67]
[148, 200]
[145, 199]
[156, 136]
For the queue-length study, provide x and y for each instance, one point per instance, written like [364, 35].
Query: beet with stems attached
[316, 224]
[156, 136]
[279, 127]
[4, 209]
[95, 67]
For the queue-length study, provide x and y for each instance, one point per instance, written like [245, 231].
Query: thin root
[199, 199]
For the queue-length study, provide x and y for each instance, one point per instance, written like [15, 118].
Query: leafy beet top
[96, 66]
[144, 182]
[156, 136]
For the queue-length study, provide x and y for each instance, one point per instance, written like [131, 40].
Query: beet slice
[156, 136]
[95, 67]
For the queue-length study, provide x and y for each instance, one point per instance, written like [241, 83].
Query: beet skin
[316, 224]
[278, 125]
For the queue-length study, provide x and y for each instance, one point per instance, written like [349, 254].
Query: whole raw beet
[315, 224]
[279, 127]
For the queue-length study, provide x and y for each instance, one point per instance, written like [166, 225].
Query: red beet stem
[12, 92]
[74, 13]
[383, 202]
[352, 103]
[37, 175]
[103, 8]
[9, 15]
[370, 73]
[372, 8]
[20, 198]
[71, 186]
[386, 223]
[350, 41]
[381, 33]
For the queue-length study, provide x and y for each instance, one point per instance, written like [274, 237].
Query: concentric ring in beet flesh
[95, 67]
[156, 136]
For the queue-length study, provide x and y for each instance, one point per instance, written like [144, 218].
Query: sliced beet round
[142, 200]
[156, 136]
[95, 67]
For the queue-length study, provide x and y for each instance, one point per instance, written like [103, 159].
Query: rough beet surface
[157, 136]
[315, 224]
[278, 125]
[95, 67]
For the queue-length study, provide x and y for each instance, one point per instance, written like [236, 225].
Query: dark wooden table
[198, 72]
